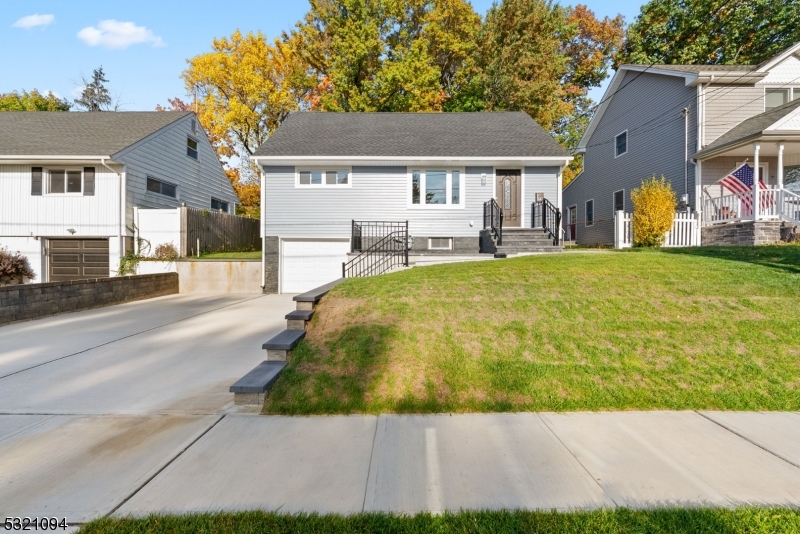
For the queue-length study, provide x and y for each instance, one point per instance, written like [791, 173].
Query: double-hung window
[590, 212]
[65, 181]
[619, 200]
[437, 188]
[621, 144]
[323, 178]
[191, 148]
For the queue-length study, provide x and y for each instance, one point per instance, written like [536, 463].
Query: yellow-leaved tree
[654, 206]
[245, 88]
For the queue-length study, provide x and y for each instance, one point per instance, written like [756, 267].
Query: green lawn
[641, 329]
[620, 521]
[250, 255]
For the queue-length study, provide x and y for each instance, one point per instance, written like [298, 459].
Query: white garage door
[308, 264]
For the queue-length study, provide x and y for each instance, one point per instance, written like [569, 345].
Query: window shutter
[36, 181]
[88, 181]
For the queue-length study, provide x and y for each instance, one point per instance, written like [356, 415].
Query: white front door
[309, 263]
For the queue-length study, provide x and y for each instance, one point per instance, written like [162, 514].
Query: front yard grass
[678, 329]
[619, 521]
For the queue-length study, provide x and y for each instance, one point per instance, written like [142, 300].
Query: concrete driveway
[93, 404]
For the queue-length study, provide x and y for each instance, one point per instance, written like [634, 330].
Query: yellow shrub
[654, 206]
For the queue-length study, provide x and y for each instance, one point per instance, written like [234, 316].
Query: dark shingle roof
[753, 126]
[510, 134]
[43, 133]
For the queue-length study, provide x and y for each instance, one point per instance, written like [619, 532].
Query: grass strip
[617, 521]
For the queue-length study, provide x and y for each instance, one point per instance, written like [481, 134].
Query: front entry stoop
[252, 388]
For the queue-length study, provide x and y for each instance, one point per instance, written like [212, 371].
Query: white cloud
[115, 34]
[31, 21]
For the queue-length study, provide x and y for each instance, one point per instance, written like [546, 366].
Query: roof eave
[366, 159]
[728, 78]
[51, 157]
[765, 136]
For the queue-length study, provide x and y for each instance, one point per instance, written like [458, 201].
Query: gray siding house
[69, 183]
[662, 120]
[322, 171]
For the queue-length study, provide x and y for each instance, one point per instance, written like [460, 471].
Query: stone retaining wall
[744, 233]
[32, 301]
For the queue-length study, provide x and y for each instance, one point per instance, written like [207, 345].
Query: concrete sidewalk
[482, 461]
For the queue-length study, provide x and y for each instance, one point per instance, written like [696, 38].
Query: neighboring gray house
[69, 183]
[322, 171]
[682, 122]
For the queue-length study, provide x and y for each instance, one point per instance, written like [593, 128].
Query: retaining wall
[32, 301]
[745, 233]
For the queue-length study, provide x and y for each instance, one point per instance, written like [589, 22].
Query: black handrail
[547, 217]
[388, 249]
[493, 219]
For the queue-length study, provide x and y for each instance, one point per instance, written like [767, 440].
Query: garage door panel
[307, 264]
[75, 259]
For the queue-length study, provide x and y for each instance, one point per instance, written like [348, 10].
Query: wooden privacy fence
[685, 230]
[215, 231]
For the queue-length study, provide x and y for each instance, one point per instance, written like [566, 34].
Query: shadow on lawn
[782, 257]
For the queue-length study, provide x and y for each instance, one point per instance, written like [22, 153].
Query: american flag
[740, 183]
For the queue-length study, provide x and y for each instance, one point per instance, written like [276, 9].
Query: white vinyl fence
[685, 230]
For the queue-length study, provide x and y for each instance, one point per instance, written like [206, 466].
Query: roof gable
[417, 135]
[60, 133]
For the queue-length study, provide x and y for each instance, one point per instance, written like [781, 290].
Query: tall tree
[95, 96]
[386, 55]
[246, 88]
[711, 31]
[33, 101]
[539, 57]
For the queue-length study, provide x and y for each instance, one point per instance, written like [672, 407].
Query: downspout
[121, 206]
[686, 154]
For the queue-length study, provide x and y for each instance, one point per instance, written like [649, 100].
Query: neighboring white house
[323, 171]
[69, 183]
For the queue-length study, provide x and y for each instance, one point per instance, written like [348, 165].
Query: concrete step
[253, 387]
[297, 319]
[526, 242]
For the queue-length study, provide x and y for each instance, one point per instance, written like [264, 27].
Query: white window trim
[627, 140]
[614, 200]
[449, 185]
[186, 152]
[440, 248]
[323, 185]
[594, 214]
[46, 180]
[570, 221]
[173, 184]
[794, 92]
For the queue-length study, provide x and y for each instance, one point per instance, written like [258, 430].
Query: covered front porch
[769, 144]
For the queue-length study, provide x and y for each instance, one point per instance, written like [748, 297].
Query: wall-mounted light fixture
[71, 231]
[483, 178]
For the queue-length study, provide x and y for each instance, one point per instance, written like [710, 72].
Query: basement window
[440, 243]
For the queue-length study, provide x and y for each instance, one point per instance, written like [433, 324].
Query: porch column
[780, 165]
[756, 150]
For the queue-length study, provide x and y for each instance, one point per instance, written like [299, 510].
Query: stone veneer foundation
[744, 233]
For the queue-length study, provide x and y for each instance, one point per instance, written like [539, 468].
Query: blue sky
[143, 45]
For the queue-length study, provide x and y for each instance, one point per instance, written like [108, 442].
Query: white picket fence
[685, 230]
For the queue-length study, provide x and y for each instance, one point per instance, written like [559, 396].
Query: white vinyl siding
[729, 105]
[23, 214]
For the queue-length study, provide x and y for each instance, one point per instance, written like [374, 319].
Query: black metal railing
[493, 219]
[547, 217]
[382, 246]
